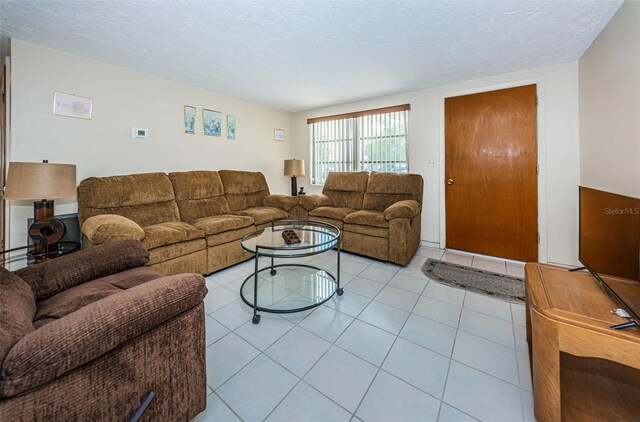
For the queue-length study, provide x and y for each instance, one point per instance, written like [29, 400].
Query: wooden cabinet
[582, 369]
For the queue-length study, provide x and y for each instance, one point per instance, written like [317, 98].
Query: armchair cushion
[103, 228]
[283, 202]
[263, 215]
[384, 189]
[169, 233]
[52, 277]
[17, 309]
[222, 223]
[367, 218]
[310, 202]
[72, 299]
[402, 209]
[94, 330]
[346, 189]
[335, 213]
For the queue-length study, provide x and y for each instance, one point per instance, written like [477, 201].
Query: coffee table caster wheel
[273, 271]
[340, 291]
[256, 319]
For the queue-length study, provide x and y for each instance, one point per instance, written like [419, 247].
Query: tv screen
[610, 244]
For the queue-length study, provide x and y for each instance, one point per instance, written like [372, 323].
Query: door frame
[540, 144]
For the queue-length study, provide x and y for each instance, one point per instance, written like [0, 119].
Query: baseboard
[429, 244]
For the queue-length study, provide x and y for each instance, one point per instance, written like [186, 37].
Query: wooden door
[491, 196]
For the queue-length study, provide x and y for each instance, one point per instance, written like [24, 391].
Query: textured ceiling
[297, 55]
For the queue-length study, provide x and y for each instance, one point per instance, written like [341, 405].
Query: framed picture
[278, 135]
[189, 120]
[72, 105]
[231, 127]
[211, 122]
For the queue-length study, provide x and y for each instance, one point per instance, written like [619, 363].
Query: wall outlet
[432, 163]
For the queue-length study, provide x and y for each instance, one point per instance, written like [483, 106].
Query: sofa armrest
[283, 202]
[51, 277]
[402, 209]
[105, 227]
[82, 336]
[311, 202]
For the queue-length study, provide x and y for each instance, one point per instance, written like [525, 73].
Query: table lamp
[42, 183]
[294, 168]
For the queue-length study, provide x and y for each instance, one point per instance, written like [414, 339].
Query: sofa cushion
[145, 198]
[309, 202]
[17, 309]
[385, 189]
[169, 233]
[335, 213]
[56, 275]
[346, 189]
[230, 236]
[199, 194]
[367, 218]
[76, 297]
[222, 223]
[263, 215]
[176, 250]
[244, 189]
[366, 230]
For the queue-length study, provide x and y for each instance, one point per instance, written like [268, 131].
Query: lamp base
[294, 186]
[46, 231]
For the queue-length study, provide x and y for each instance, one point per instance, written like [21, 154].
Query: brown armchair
[88, 335]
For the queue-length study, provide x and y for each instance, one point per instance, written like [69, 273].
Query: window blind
[373, 140]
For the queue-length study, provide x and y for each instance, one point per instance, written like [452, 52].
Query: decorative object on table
[294, 168]
[301, 191]
[475, 280]
[231, 127]
[290, 237]
[35, 181]
[189, 120]
[72, 105]
[211, 122]
[278, 135]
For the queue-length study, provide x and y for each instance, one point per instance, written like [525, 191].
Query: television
[610, 246]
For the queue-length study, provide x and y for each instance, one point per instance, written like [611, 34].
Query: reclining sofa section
[188, 221]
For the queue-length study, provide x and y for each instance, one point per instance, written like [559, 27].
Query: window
[371, 140]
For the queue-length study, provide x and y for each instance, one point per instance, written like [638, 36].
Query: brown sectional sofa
[193, 221]
[379, 214]
[188, 221]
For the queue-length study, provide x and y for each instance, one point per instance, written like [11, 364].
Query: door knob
[449, 181]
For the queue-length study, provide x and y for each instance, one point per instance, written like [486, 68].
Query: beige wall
[557, 141]
[123, 99]
[610, 106]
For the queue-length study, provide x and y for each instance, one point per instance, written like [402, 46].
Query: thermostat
[140, 132]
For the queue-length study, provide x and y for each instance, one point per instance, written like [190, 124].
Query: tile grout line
[379, 368]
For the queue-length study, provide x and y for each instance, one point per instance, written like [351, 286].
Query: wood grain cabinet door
[491, 198]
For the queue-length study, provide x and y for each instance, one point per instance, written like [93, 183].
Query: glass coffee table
[290, 287]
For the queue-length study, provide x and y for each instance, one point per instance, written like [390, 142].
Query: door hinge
[537, 169]
[536, 101]
[538, 238]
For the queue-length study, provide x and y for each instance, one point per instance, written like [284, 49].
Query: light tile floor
[395, 347]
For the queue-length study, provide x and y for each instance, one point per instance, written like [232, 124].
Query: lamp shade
[294, 167]
[33, 181]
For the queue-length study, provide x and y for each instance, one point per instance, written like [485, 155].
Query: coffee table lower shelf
[300, 288]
